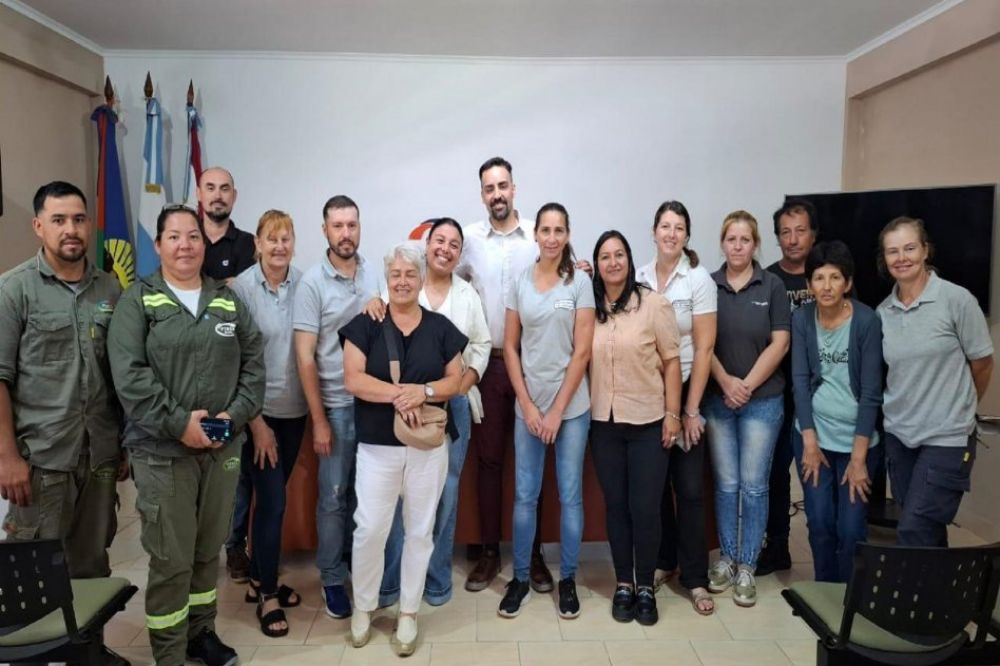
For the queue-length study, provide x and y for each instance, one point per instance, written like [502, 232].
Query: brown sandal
[699, 595]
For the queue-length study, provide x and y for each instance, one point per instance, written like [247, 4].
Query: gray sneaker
[720, 576]
[745, 588]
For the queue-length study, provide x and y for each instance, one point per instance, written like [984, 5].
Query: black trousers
[684, 540]
[631, 466]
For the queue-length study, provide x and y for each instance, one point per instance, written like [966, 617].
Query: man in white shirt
[497, 250]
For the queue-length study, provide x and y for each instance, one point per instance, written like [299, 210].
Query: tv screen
[959, 221]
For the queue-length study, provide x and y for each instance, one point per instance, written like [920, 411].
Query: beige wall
[923, 111]
[46, 88]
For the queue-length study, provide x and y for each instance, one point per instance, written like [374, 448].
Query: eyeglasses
[178, 208]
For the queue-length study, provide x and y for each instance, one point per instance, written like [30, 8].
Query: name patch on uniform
[231, 464]
[226, 329]
[105, 307]
[565, 304]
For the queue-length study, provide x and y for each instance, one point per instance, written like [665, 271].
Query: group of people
[486, 332]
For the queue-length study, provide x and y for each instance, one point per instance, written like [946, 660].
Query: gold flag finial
[109, 91]
[148, 88]
[191, 92]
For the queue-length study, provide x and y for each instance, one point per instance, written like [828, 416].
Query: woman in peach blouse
[635, 385]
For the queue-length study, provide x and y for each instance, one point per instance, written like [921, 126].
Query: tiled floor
[468, 631]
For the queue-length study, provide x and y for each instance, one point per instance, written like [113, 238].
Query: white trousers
[383, 475]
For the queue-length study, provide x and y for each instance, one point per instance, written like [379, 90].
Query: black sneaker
[774, 557]
[206, 648]
[569, 604]
[645, 607]
[623, 604]
[517, 595]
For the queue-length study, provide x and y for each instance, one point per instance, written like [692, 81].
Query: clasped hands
[735, 392]
[408, 400]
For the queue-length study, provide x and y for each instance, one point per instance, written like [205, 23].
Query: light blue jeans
[336, 502]
[741, 443]
[437, 587]
[529, 462]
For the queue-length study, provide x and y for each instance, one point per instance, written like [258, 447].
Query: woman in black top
[429, 349]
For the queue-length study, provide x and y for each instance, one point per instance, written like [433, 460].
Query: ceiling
[498, 28]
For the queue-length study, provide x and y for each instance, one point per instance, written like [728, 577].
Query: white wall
[405, 136]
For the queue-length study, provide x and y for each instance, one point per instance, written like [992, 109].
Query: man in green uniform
[59, 418]
[183, 348]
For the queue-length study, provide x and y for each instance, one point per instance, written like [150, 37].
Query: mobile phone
[218, 430]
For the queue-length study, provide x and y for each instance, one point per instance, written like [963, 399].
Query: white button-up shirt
[492, 261]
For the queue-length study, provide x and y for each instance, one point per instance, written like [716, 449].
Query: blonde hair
[741, 216]
[273, 221]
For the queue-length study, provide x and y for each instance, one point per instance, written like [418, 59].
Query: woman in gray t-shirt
[548, 335]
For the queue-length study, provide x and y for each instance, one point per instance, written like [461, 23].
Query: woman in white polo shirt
[678, 277]
[937, 347]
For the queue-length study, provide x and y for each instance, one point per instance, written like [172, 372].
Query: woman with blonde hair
[745, 404]
[268, 290]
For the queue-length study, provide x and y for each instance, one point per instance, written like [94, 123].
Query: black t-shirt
[426, 351]
[797, 288]
[230, 255]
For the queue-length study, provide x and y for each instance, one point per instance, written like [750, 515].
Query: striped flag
[152, 198]
[192, 175]
[116, 254]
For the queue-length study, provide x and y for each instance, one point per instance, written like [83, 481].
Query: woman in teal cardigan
[837, 384]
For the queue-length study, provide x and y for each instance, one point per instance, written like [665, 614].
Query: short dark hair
[57, 189]
[435, 223]
[170, 209]
[495, 162]
[337, 202]
[835, 253]
[796, 206]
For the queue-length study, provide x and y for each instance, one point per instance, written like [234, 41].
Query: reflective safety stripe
[201, 598]
[154, 300]
[160, 622]
[223, 304]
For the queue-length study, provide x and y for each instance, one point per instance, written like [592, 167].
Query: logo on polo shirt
[225, 262]
[762, 304]
[226, 329]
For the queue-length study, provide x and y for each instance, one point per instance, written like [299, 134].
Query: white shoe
[361, 628]
[405, 637]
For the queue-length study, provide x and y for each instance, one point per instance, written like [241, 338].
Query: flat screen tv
[959, 221]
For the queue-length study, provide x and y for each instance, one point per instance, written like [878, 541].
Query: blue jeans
[835, 524]
[437, 587]
[336, 501]
[529, 462]
[741, 443]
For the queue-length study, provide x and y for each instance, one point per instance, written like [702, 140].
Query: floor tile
[299, 655]
[464, 654]
[740, 653]
[651, 653]
[596, 624]
[575, 653]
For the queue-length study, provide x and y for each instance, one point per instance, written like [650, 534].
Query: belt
[496, 352]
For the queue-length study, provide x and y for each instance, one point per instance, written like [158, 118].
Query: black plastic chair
[904, 606]
[45, 616]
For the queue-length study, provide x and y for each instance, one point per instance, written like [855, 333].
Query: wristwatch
[428, 390]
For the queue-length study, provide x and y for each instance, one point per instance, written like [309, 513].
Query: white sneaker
[361, 628]
[405, 637]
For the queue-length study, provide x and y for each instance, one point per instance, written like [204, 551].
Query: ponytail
[567, 264]
[692, 256]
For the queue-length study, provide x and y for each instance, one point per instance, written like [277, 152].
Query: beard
[345, 250]
[501, 215]
[218, 214]
[71, 254]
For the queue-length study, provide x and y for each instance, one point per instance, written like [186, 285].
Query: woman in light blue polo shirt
[268, 290]
[548, 335]
[837, 383]
[940, 357]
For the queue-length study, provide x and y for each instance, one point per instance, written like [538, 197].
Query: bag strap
[389, 332]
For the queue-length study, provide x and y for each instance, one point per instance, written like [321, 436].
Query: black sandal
[273, 617]
[284, 595]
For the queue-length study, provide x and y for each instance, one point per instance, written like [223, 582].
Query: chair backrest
[923, 595]
[34, 581]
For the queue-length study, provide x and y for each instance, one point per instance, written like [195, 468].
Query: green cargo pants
[77, 507]
[186, 506]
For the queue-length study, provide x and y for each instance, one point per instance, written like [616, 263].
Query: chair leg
[827, 657]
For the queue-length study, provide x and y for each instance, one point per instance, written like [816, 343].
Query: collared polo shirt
[272, 312]
[626, 366]
[54, 360]
[691, 291]
[325, 301]
[492, 262]
[746, 319]
[930, 397]
[230, 255]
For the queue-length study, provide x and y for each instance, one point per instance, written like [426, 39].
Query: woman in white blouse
[677, 276]
[447, 294]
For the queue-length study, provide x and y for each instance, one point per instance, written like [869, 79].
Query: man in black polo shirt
[230, 251]
[796, 227]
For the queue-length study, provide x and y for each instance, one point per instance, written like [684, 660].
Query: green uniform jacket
[168, 363]
[54, 361]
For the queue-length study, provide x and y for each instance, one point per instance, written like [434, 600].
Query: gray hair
[409, 252]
